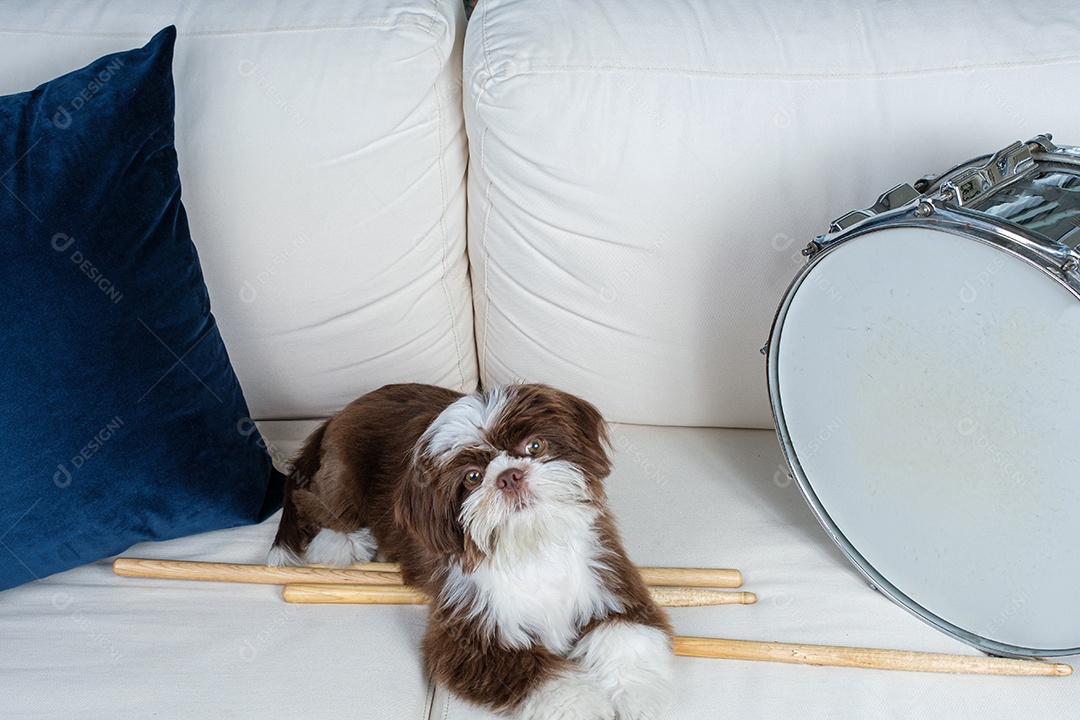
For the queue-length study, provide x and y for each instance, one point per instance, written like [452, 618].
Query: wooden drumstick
[698, 597]
[403, 595]
[353, 594]
[863, 657]
[731, 649]
[377, 579]
[368, 573]
[691, 577]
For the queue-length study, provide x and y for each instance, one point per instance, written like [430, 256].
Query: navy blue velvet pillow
[120, 414]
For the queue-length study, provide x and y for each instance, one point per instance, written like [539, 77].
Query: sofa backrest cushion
[644, 175]
[322, 153]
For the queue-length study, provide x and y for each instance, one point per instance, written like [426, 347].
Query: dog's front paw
[571, 695]
[643, 691]
[645, 701]
[634, 664]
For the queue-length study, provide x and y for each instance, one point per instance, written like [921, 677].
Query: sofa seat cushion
[87, 643]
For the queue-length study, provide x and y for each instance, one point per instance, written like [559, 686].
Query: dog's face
[504, 468]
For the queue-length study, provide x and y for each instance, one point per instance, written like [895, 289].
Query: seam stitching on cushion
[482, 346]
[484, 45]
[868, 75]
[487, 76]
[447, 295]
[215, 33]
[434, 14]
[429, 697]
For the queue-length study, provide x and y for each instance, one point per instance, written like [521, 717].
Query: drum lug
[928, 184]
[1070, 264]
[897, 197]
[894, 199]
[974, 183]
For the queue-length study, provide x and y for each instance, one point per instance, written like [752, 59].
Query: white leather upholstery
[89, 644]
[322, 154]
[644, 175]
[641, 178]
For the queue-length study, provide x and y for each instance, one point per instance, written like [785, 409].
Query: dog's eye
[473, 478]
[534, 447]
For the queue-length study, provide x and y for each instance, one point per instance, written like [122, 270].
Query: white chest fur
[543, 593]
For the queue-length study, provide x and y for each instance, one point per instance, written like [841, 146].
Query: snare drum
[924, 374]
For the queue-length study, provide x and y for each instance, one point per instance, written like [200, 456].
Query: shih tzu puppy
[494, 505]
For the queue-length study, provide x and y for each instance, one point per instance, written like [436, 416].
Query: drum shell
[1051, 260]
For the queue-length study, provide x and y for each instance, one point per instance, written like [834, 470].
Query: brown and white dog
[493, 503]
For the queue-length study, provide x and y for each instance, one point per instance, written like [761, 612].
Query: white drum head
[927, 390]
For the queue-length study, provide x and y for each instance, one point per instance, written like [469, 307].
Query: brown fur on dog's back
[331, 484]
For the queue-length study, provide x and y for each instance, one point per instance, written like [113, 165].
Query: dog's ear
[427, 510]
[577, 422]
[593, 432]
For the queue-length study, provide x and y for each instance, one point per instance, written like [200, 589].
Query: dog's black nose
[510, 479]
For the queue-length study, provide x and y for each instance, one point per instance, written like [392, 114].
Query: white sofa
[608, 197]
